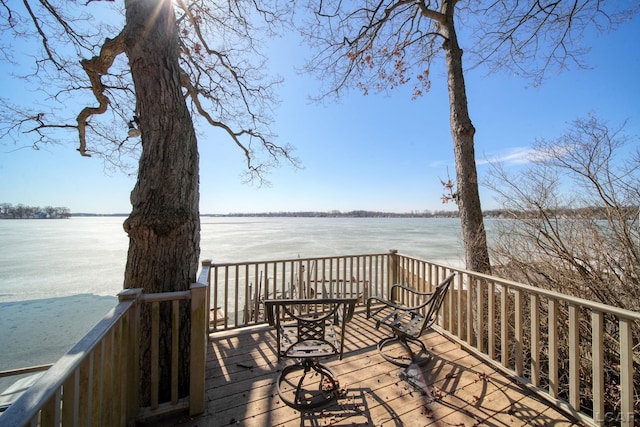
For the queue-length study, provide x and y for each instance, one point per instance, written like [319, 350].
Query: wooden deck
[456, 388]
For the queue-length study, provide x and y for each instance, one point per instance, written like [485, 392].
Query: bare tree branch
[219, 53]
[381, 47]
[535, 39]
[95, 68]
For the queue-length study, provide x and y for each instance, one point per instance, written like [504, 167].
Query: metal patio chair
[308, 330]
[408, 314]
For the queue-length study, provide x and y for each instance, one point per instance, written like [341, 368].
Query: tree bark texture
[164, 225]
[462, 131]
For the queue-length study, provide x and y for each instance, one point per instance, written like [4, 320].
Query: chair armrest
[376, 299]
[409, 289]
[396, 304]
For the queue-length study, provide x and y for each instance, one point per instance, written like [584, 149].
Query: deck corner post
[205, 272]
[199, 333]
[132, 340]
[205, 279]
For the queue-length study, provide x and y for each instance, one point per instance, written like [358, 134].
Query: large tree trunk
[462, 131]
[164, 225]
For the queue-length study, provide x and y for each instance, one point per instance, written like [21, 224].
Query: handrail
[25, 370]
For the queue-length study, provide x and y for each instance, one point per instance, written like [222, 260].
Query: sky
[381, 152]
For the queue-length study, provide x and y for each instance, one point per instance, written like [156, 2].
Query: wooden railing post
[199, 333]
[131, 339]
[205, 279]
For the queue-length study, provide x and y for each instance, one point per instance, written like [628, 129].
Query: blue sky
[378, 152]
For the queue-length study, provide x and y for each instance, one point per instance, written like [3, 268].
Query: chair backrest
[415, 311]
[309, 328]
[436, 300]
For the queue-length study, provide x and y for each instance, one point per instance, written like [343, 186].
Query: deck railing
[518, 329]
[96, 383]
[514, 327]
[238, 289]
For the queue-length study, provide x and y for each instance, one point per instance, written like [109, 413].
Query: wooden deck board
[452, 388]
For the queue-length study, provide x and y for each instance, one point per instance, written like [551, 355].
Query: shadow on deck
[452, 389]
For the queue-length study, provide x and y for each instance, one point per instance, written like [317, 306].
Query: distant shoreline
[591, 212]
[351, 214]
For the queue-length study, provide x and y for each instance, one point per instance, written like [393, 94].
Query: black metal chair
[308, 330]
[408, 314]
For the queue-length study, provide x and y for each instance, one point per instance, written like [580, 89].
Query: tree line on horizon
[20, 211]
[590, 212]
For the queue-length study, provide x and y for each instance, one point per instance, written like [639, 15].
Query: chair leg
[404, 341]
[302, 398]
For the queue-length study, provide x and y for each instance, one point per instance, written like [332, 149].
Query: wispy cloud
[511, 156]
[439, 164]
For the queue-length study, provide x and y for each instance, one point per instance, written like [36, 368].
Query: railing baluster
[553, 348]
[534, 301]
[50, 415]
[469, 311]
[518, 333]
[119, 373]
[359, 289]
[344, 277]
[247, 300]
[256, 293]
[574, 356]
[175, 349]
[375, 279]
[107, 396]
[626, 373]
[97, 384]
[450, 297]
[102, 382]
[459, 305]
[504, 326]
[133, 376]
[236, 290]
[597, 367]
[71, 399]
[274, 274]
[288, 287]
[480, 315]
[155, 342]
[491, 320]
[225, 290]
[216, 278]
